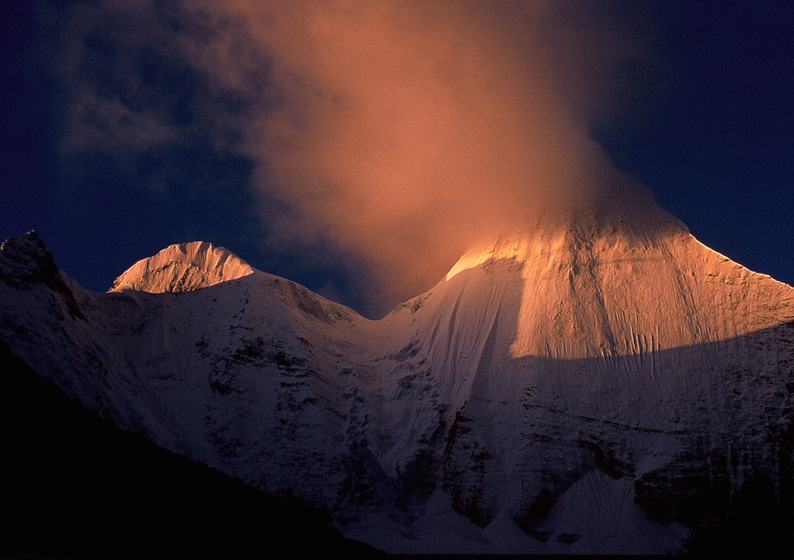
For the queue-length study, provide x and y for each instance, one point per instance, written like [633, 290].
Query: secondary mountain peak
[183, 267]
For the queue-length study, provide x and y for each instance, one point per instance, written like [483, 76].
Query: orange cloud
[410, 129]
[402, 131]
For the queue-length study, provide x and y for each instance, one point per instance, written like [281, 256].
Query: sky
[358, 147]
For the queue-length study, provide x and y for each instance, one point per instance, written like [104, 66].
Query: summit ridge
[183, 267]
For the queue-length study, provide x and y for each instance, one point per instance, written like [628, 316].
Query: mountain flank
[591, 389]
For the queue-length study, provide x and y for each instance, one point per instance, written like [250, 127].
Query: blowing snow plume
[397, 132]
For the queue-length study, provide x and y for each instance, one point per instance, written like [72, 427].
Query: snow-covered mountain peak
[182, 268]
[593, 288]
[26, 256]
[554, 237]
[25, 261]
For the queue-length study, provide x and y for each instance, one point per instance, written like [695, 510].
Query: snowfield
[590, 389]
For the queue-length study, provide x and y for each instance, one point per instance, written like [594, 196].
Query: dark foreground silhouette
[73, 484]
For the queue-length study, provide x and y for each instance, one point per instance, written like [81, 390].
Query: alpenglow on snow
[593, 388]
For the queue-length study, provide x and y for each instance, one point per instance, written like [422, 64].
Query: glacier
[595, 388]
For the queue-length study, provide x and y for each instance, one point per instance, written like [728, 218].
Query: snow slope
[589, 388]
[184, 267]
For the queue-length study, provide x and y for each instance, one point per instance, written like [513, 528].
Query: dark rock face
[465, 466]
[753, 516]
[25, 261]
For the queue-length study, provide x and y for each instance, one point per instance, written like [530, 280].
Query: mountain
[182, 268]
[597, 387]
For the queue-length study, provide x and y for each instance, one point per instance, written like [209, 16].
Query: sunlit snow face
[604, 295]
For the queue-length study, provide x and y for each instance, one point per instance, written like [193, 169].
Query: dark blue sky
[715, 143]
[711, 134]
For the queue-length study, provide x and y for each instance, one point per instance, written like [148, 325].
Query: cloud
[411, 129]
[398, 132]
[96, 122]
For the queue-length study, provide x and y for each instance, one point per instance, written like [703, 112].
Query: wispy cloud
[397, 131]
